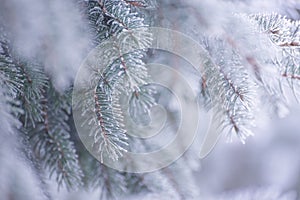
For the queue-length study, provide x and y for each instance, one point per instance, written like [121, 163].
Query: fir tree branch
[230, 89]
[35, 82]
[124, 71]
[12, 74]
[109, 18]
[51, 140]
[11, 80]
[285, 35]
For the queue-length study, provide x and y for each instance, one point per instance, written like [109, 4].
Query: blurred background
[267, 167]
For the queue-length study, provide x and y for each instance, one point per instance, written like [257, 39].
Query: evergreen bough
[42, 116]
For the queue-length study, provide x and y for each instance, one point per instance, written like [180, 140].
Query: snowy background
[267, 167]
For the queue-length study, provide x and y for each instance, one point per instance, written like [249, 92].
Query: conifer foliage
[36, 117]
